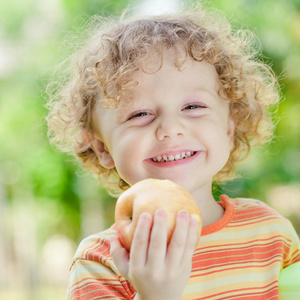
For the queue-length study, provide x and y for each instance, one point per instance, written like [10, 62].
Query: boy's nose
[169, 128]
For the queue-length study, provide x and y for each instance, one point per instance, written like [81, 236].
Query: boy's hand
[155, 270]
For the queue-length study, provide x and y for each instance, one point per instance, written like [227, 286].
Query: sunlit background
[47, 205]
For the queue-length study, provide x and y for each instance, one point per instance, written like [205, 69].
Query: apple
[147, 196]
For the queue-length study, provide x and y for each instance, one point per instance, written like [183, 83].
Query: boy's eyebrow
[206, 91]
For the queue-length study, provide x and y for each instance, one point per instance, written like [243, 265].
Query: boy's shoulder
[257, 207]
[93, 268]
[245, 203]
[251, 204]
[248, 203]
[96, 247]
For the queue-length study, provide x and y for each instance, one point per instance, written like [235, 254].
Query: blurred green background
[47, 205]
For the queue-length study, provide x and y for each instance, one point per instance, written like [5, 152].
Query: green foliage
[44, 193]
[51, 178]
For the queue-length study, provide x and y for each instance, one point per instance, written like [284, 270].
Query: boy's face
[177, 128]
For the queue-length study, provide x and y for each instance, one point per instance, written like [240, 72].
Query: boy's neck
[211, 211]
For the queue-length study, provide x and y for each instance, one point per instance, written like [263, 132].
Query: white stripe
[267, 230]
[231, 279]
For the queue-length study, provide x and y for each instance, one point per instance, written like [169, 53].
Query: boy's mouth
[173, 157]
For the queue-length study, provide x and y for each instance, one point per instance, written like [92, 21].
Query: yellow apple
[147, 196]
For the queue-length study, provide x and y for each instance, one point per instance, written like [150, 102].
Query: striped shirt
[238, 257]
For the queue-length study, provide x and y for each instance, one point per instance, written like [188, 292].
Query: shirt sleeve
[292, 255]
[291, 249]
[93, 275]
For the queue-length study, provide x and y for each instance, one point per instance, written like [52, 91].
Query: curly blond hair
[102, 71]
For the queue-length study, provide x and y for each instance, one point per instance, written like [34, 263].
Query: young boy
[176, 97]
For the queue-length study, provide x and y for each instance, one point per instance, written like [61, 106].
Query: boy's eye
[138, 115]
[194, 106]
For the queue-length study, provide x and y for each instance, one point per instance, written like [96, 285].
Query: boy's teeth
[171, 157]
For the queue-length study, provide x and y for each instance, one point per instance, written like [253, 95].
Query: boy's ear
[102, 153]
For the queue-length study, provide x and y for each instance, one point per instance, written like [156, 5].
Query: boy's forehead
[183, 71]
[149, 69]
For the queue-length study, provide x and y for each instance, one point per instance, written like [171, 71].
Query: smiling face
[177, 128]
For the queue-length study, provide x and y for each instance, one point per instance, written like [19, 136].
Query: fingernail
[145, 216]
[183, 214]
[160, 213]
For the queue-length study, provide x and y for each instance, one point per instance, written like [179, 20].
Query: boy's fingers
[119, 255]
[192, 240]
[178, 240]
[139, 246]
[158, 240]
